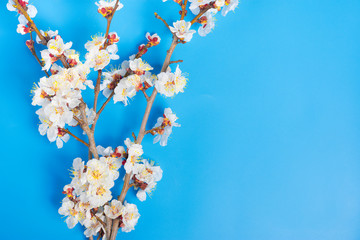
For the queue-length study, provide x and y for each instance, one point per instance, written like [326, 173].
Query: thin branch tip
[158, 17]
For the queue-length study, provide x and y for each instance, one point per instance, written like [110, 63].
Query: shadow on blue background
[269, 143]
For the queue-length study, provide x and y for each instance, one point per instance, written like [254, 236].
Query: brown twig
[101, 234]
[154, 93]
[183, 9]
[143, 51]
[73, 135]
[99, 220]
[152, 130]
[78, 120]
[110, 18]
[90, 134]
[98, 81]
[97, 89]
[158, 17]
[145, 94]
[121, 198]
[103, 106]
[178, 61]
[166, 64]
[134, 136]
[109, 222]
[33, 52]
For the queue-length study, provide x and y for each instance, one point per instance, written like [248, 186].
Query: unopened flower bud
[30, 45]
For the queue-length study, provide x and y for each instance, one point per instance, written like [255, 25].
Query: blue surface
[269, 146]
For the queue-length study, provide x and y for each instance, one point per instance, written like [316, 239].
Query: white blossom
[97, 172]
[56, 46]
[98, 59]
[58, 112]
[48, 59]
[130, 216]
[207, 22]
[23, 27]
[92, 225]
[114, 209]
[169, 83]
[113, 165]
[110, 80]
[99, 194]
[139, 67]
[164, 125]
[135, 151]
[230, 5]
[95, 43]
[68, 209]
[146, 176]
[79, 176]
[182, 30]
[123, 91]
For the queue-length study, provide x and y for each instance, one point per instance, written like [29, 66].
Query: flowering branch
[33, 26]
[97, 87]
[88, 199]
[109, 19]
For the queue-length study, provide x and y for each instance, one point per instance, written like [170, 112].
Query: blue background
[269, 143]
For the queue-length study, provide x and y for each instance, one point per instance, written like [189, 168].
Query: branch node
[134, 136]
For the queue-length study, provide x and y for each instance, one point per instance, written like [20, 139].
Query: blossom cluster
[89, 200]
[130, 84]
[101, 50]
[59, 97]
[132, 76]
[88, 194]
[182, 29]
